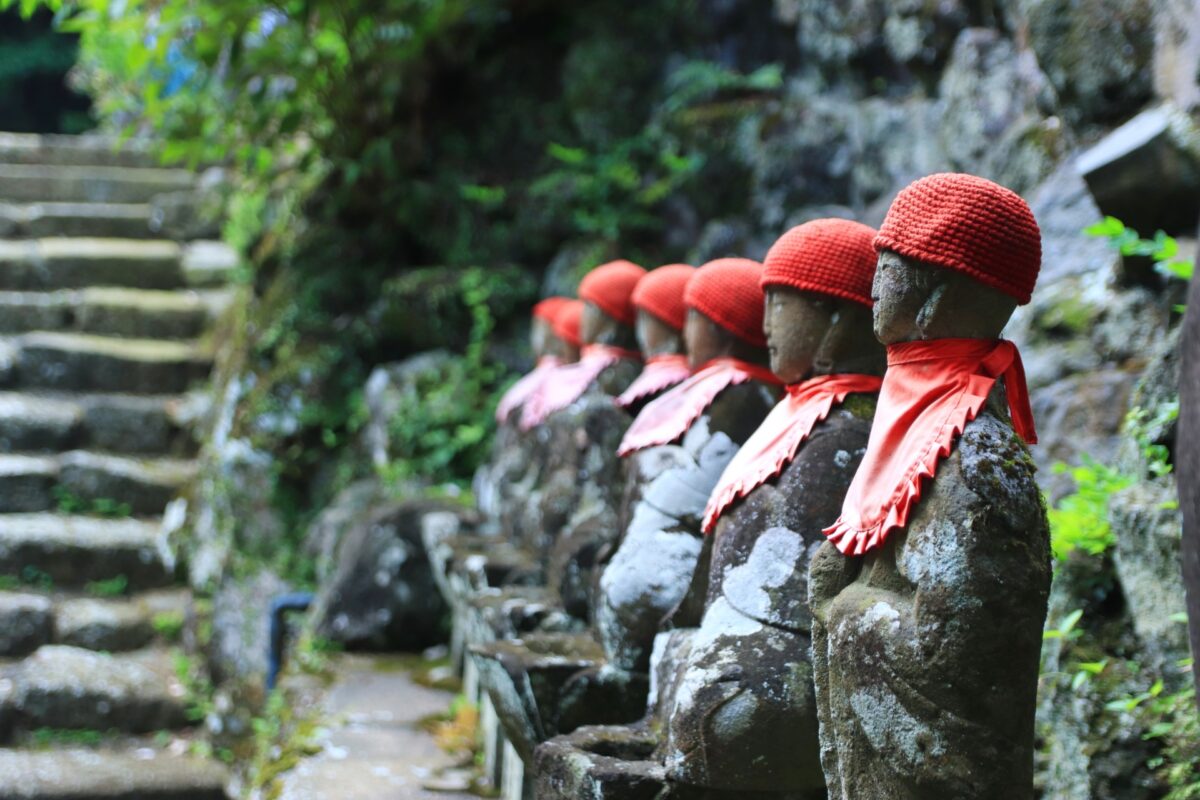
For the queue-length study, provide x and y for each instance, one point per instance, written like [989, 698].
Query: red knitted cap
[566, 322]
[830, 256]
[661, 293]
[548, 308]
[969, 224]
[728, 292]
[610, 287]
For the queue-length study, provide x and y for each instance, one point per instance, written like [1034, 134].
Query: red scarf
[930, 392]
[524, 388]
[773, 446]
[670, 415]
[660, 372]
[567, 383]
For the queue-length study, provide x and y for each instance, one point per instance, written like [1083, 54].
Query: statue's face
[592, 323]
[795, 324]
[656, 337]
[899, 290]
[705, 339]
[540, 336]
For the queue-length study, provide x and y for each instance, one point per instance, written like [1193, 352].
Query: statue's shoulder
[996, 467]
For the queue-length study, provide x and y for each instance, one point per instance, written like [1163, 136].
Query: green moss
[861, 406]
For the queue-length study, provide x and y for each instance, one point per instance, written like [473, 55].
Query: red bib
[524, 388]
[660, 372]
[775, 443]
[567, 383]
[669, 416]
[930, 392]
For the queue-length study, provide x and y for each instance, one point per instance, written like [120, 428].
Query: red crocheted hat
[661, 293]
[548, 308]
[566, 322]
[610, 287]
[728, 292]
[830, 256]
[969, 224]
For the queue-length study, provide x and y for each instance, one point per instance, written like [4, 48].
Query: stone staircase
[102, 319]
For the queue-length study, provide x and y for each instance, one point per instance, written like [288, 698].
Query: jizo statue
[929, 599]
[743, 718]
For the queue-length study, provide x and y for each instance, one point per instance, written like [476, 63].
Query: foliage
[29, 576]
[1144, 427]
[168, 624]
[1079, 521]
[115, 586]
[70, 503]
[1162, 249]
[45, 738]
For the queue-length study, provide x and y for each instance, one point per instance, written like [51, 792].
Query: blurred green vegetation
[35, 96]
[400, 174]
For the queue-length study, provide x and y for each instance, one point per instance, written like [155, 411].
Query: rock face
[746, 684]
[381, 593]
[892, 726]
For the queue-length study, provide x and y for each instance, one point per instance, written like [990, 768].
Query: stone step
[105, 775]
[33, 483]
[24, 183]
[76, 262]
[66, 687]
[109, 311]
[30, 619]
[117, 423]
[88, 149]
[75, 550]
[81, 362]
[102, 220]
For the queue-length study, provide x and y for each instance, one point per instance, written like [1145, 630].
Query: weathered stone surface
[26, 623]
[89, 184]
[208, 263]
[84, 362]
[63, 263]
[66, 687]
[109, 625]
[998, 112]
[1063, 207]
[546, 684]
[241, 625]
[975, 554]
[1097, 53]
[103, 775]
[147, 485]
[599, 762]
[27, 483]
[1147, 172]
[1078, 415]
[1148, 527]
[75, 550]
[89, 149]
[49, 423]
[34, 425]
[381, 592]
[93, 220]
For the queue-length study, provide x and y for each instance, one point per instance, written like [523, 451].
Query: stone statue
[678, 445]
[661, 312]
[929, 600]
[735, 697]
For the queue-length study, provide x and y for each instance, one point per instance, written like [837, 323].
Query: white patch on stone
[882, 612]
[891, 729]
[772, 561]
[841, 458]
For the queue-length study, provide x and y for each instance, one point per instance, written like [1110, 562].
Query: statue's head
[725, 312]
[609, 314]
[661, 313]
[541, 329]
[957, 254]
[817, 280]
[566, 339]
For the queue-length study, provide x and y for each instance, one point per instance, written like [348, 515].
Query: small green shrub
[115, 586]
[1079, 521]
[1162, 249]
[168, 624]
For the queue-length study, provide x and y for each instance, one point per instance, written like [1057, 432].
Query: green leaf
[1109, 228]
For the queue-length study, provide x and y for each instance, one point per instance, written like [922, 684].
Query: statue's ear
[933, 307]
